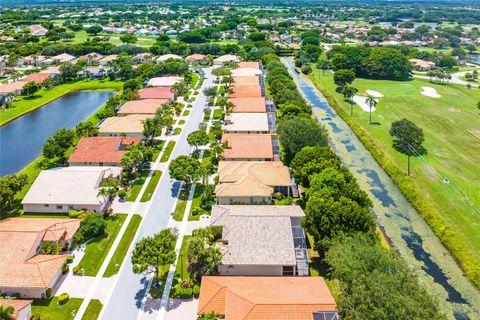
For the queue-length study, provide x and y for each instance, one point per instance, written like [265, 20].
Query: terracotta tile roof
[108, 58]
[253, 91]
[227, 58]
[144, 106]
[17, 304]
[20, 265]
[265, 298]
[250, 178]
[248, 64]
[156, 93]
[164, 81]
[249, 104]
[246, 81]
[94, 56]
[12, 86]
[195, 57]
[246, 72]
[165, 57]
[247, 146]
[129, 124]
[37, 77]
[101, 149]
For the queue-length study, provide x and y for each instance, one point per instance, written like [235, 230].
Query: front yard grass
[181, 268]
[194, 80]
[22, 104]
[156, 292]
[196, 211]
[134, 190]
[156, 149]
[181, 122]
[177, 131]
[147, 195]
[124, 244]
[97, 249]
[217, 114]
[168, 151]
[181, 205]
[49, 309]
[186, 113]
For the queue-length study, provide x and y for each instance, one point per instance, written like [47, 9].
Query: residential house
[422, 65]
[15, 87]
[164, 81]
[165, 57]
[105, 60]
[67, 188]
[94, 72]
[22, 309]
[262, 298]
[250, 147]
[249, 64]
[130, 125]
[62, 58]
[261, 240]
[144, 106]
[195, 57]
[101, 151]
[32, 60]
[23, 269]
[91, 58]
[249, 105]
[246, 72]
[220, 61]
[143, 57]
[251, 182]
[37, 77]
[37, 30]
[247, 123]
[246, 81]
[251, 91]
[156, 93]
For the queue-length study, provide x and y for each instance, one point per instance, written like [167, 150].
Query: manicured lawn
[186, 113]
[181, 205]
[93, 310]
[196, 202]
[194, 80]
[181, 268]
[121, 251]
[157, 148]
[23, 105]
[217, 114]
[98, 248]
[134, 190]
[168, 151]
[451, 128]
[177, 131]
[156, 292]
[181, 122]
[49, 309]
[147, 195]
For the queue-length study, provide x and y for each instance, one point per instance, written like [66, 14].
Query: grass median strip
[181, 205]
[93, 310]
[97, 249]
[121, 251]
[134, 190]
[168, 151]
[152, 184]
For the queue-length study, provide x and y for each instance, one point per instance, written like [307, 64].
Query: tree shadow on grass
[35, 96]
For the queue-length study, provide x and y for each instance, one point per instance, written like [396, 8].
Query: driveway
[128, 294]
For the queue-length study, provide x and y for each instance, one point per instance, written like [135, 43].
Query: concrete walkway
[409, 234]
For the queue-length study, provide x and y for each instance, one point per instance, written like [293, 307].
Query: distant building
[129, 125]
[422, 65]
[249, 147]
[37, 30]
[144, 106]
[220, 61]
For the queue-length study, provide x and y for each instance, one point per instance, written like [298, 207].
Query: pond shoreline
[63, 89]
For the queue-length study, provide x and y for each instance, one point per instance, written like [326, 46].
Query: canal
[21, 140]
[408, 232]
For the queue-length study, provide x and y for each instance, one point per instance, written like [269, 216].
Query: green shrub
[48, 247]
[78, 270]
[48, 293]
[75, 213]
[122, 193]
[70, 258]
[91, 226]
[181, 293]
[65, 268]
[196, 291]
[63, 298]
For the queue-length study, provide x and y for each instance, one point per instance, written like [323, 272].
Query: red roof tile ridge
[220, 287]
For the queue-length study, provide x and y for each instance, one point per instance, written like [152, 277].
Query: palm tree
[177, 89]
[6, 313]
[108, 193]
[228, 80]
[371, 103]
[217, 149]
[151, 129]
[126, 162]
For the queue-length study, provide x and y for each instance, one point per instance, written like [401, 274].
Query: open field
[452, 136]
[23, 105]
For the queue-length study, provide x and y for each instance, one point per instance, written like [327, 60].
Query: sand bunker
[362, 102]
[430, 92]
[374, 93]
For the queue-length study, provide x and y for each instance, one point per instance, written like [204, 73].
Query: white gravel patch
[430, 92]
[362, 102]
[374, 93]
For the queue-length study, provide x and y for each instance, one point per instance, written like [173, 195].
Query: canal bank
[408, 232]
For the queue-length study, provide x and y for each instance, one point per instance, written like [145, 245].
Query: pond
[21, 140]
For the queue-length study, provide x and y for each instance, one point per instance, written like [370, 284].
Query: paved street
[128, 294]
